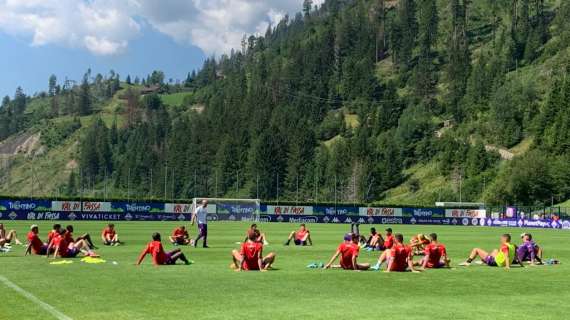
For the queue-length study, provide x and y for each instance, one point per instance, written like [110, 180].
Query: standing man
[200, 215]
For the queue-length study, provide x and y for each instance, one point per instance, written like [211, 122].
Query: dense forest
[348, 102]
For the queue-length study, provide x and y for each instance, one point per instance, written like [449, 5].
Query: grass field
[208, 289]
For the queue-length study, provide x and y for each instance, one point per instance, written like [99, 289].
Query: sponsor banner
[178, 208]
[137, 207]
[347, 211]
[93, 216]
[383, 212]
[523, 223]
[66, 205]
[36, 205]
[295, 219]
[424, 212]
[429, 220]
[290, 210]
[235, 209]
[96, 206]
[466, 213]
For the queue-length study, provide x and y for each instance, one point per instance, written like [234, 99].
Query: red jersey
[400, 254]
[107, 232]
[389, 242]
[68, 237]
[434, 252]
[301, 234]
[35, 242]
[348, 251]
[61, 243]
[155, 249]
[251, 252]
[179, 233]
[51, 235]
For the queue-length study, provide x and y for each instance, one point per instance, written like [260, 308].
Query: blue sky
[30, 67]
[66, 37]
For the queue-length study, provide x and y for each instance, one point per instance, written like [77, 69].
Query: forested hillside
[375, 101]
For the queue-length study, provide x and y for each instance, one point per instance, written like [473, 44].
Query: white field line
[53, 311]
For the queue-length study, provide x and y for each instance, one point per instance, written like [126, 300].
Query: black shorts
[300, 242]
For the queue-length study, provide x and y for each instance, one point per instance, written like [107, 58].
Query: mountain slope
[358, 101]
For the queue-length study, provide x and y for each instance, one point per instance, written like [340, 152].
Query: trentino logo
[17, 205]
[137, 208]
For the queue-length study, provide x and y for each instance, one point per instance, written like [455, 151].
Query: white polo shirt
[201, 215]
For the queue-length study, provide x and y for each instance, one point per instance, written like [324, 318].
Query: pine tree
[85, 104]
[307, 7]
[425, 73]
[71, 189]
[52, 84]
[404, 33]
[459, 56]
[19, 102]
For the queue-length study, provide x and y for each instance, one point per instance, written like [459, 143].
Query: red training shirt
[155, 249]
[433, 253]
[251, 252]
[348, 251]
[35, 242]
[389, 242]
[400, 254]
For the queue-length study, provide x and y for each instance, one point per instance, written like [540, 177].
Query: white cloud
[105, 27]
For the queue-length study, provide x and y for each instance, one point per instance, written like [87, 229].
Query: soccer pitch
[209, 289]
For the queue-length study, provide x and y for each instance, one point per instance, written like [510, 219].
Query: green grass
[431, 185]
[175, 99]
[208, 289]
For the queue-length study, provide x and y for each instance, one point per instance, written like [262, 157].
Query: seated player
[262, 238]
[35, 245]
[388, 241]
[109, 236]
[399, 257]
[418, 244]
[159, 257]
[529, 250]
[61, 246]
[348, 252]
[375, 240]
[301, 237]
[6, 237]
[86, 237]
[435, 255]
[180, 237]
[250, 257]
[497, 258]
[53, 232]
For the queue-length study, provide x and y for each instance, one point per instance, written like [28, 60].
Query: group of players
[62, 243]
[397, 255]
